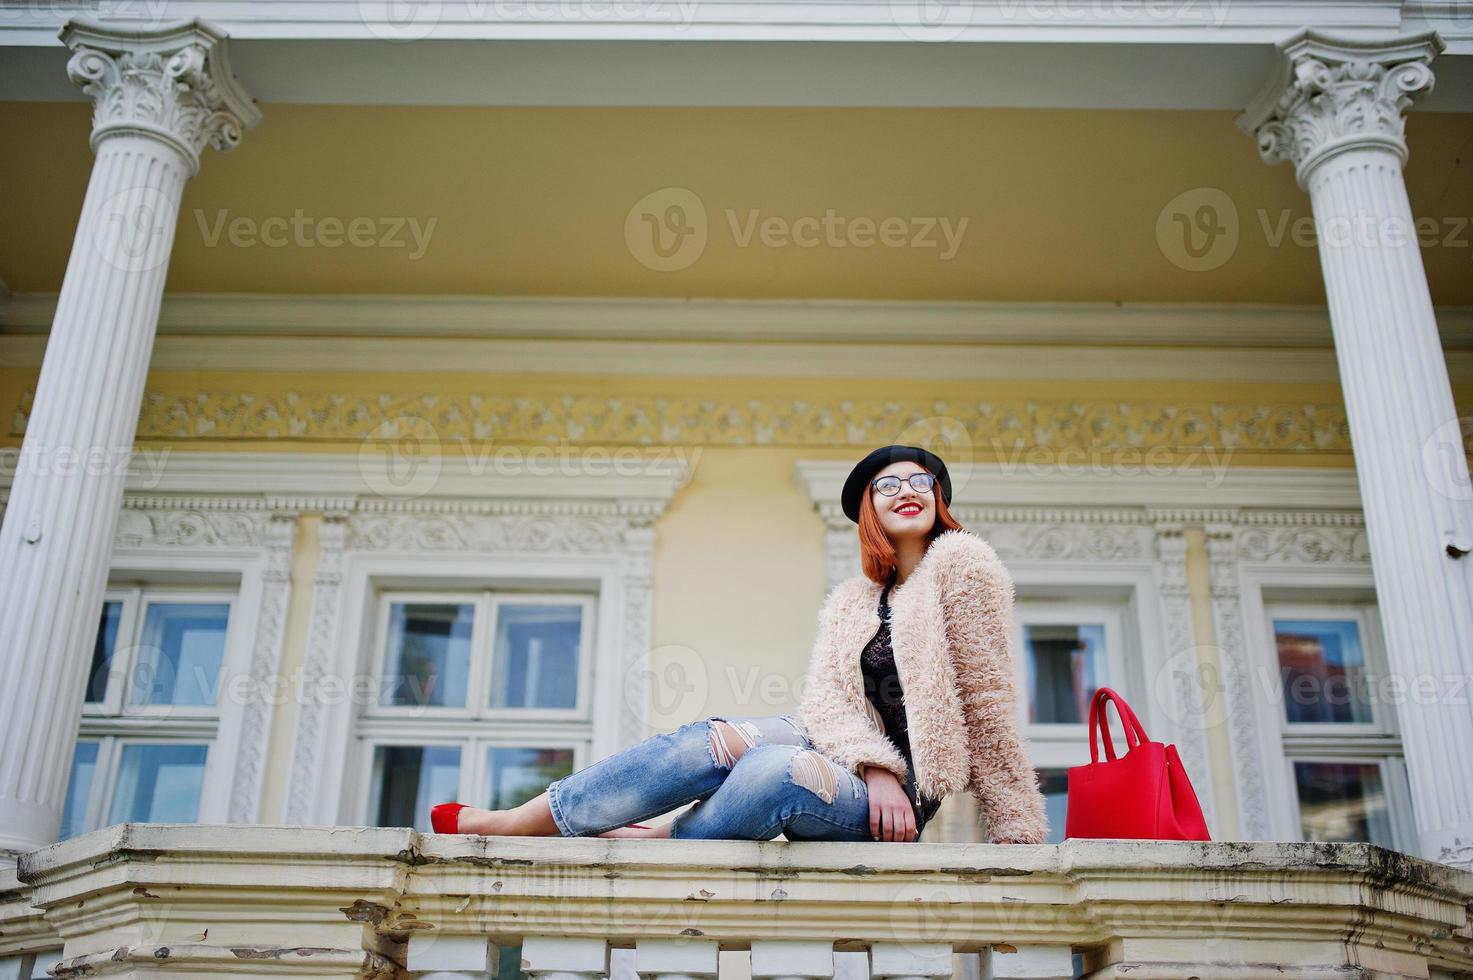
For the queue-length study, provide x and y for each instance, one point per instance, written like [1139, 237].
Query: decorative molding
[1331, 94]
[172, 83]
[1249, 765]
[267, 646]
[1186, 687]
[991, 427]
[309, 740]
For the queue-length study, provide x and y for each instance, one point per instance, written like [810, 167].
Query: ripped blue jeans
[780, 784]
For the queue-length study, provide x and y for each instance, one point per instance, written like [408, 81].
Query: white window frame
[1377, 742]
[1053, 612]
[1126, 595]
[114, 724]
[338, 794]
[1332, 590]
[377, 725]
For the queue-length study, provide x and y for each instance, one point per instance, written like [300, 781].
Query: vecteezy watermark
[404, 458]
[1200, 230]
[667, 230]
[1210, 461]
[147, 465]
[309, 231]
[415, 20]
[946, 20]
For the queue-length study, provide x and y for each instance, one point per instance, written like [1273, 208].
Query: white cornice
[1191, 488]
[516, 480]
[619, 318]
[735, 338]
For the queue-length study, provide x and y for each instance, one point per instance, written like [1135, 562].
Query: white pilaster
[1336, 111]
[160, 96]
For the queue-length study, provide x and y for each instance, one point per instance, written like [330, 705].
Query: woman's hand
[891, 817]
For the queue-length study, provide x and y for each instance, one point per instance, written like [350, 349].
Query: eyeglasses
[890, 485]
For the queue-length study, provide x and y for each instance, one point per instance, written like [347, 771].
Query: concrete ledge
[349, 901]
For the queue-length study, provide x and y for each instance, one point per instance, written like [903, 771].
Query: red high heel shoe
[445, 817]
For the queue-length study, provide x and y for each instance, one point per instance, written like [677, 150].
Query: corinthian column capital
[1330, 95]
[172, 83]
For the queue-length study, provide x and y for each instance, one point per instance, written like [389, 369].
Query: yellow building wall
[739, 565]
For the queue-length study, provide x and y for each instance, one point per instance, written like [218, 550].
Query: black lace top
[882, 687]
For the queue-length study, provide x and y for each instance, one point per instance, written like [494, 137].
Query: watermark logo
[932, 20]
[1198, 229]
[671, 681]
[666, 229]
[134, 229]
[1444, 465]
[400, 459]
[400, 20]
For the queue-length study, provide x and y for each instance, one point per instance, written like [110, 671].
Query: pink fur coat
[951, 627]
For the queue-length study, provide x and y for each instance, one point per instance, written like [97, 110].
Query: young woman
[908, 698]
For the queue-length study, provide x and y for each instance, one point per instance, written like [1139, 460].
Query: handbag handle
[1099, 723]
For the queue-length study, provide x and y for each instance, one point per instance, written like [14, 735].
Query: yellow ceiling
[1060, 205]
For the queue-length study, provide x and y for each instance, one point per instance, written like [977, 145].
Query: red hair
[876, 552]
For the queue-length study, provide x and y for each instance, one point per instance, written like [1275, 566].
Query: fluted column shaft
[159, 97]
[1340, 120]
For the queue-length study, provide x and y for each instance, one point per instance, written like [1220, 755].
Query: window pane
[428, 660]
[518, 775]
[1342, 801]
[179, 654]
[1066, 665]
[536, 656]
[409, 779]
[1055, 786]
[1323, 670]
[79, 790]
[102, 651]
[159, 784]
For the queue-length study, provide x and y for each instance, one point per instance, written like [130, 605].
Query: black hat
[858, 480]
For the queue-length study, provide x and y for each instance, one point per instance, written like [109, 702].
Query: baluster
[565, 957]
[676, 959]
[910, 961]
[1028, 963]
[432, 957]
[792, 959]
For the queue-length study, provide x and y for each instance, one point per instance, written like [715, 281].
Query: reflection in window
[79, 790]
[1343, 801]
[179, 653]
[429, 655]
[1066, 665]
[1323, 670]
[518, 775]
[102, 651]
[1055, 786]
[536, 656]
[159, 784]
[409, 779]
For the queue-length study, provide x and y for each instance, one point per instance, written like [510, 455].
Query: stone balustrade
[161, 900]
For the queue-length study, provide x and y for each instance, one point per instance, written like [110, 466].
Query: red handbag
[1142, 795]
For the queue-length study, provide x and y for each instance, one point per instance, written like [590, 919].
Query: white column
[160, 96]
[1336, 112]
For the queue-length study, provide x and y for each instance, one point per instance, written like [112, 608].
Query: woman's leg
[653, 777]
[781, 789]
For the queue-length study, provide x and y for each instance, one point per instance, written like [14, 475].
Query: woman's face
[908, 514]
